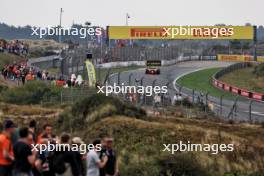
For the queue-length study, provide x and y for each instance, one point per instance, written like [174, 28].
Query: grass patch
[202, 81]
[33, 92]
[6, 59]
[246, 79]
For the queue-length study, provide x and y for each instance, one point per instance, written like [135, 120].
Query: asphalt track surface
[169, 76]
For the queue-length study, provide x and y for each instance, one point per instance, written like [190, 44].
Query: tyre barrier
[233, 89]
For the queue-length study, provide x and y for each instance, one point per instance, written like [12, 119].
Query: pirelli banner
[236, 58]
[181, 32]
[260, 59]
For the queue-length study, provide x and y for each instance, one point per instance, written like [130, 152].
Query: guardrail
[233, 89]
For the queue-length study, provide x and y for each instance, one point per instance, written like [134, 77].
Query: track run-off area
[240, 109]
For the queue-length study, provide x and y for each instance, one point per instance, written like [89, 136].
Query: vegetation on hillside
[139, 139]
[33, 92]
[94, 108]
[6, 59]
[248, 78]
[259, 70]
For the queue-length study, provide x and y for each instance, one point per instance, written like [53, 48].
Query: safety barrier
[233, 89]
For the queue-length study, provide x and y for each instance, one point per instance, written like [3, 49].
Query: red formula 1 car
[153, 67]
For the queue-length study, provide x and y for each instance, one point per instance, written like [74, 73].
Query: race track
[170, 73]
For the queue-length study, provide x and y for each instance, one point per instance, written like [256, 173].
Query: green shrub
[182, 164]
[259, 70]
[89, 104]
[259, 173]
[6, 58]
[32, 92]
[96, 107]
[2, 88]
[140, 169]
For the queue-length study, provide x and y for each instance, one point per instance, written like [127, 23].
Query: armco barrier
[233, 89]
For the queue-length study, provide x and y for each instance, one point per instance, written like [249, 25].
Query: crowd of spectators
[21, 154]
[21, 72]
[15, 46]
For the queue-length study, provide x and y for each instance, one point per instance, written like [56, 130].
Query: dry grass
[141, 140]
[27, 111]
[137, 136]
[33, 44]
[244, 78]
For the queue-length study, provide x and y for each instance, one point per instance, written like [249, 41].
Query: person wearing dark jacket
[65, 162]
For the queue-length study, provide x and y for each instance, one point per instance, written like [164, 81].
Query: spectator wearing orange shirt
[6, 149]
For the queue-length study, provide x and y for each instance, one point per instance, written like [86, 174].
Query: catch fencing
[233, 89]
[228, 108]
[235, 109]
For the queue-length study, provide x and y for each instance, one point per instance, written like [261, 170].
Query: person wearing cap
[6, 149]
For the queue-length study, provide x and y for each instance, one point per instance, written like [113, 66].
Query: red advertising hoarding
[258, 96]
[235, 90]
[227, 87]
[245, 93]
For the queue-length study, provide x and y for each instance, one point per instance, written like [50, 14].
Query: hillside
[246, 79]
[139, 138]
[6, 58]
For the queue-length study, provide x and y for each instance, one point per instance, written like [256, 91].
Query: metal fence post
[180, 89]
[118, 78]
[193, 91]
[250, 111]
[206, 101]
[235, 108]
[61, 96]
[221, 104]
[141, 81]
[153, 83]
[206, 98]
[129, 78]
[107, 76]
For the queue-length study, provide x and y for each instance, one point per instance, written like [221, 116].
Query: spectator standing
[112, 167]
[24, 157]
[6, 150]
[47, 133]
[64, 161]
[93, 161]
[80, 158]
[32, 129]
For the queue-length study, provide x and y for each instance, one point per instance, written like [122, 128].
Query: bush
[89, 104]
[2, 88]
[182, 164]
[259, 173]
[96, 107]
[32, 92]
[140, 169]
[259, 70]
